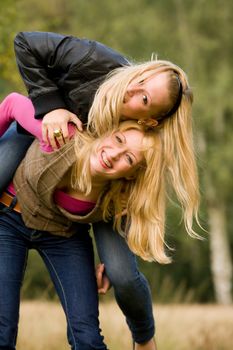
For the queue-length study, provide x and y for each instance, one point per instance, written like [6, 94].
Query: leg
[71, 266]
[13, 147]
[130, 286]
[150, 345]
[13, 257]
[19, 108]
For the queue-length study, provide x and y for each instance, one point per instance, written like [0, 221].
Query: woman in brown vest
[117, 176]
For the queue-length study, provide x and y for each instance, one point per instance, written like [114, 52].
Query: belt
[7, 199]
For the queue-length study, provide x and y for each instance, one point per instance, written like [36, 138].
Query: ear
[151, 123]
[131, 177]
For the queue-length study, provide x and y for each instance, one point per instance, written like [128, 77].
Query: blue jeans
[130, 286]
[13, 147]
[71, 266]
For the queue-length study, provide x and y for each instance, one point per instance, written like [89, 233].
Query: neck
[98, 182]
[97, 186]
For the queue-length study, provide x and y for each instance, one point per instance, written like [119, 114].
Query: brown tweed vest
[35, 182]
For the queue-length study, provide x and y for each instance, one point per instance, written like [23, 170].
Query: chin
[123, 117]
[133, 117]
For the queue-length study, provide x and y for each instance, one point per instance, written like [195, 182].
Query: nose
[116, 153]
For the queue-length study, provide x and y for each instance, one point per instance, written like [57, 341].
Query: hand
[103, 282]
[58, 120]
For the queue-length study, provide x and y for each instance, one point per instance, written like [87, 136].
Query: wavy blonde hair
[169, 163]
[136, 205]
[144, 197]
[105, 112]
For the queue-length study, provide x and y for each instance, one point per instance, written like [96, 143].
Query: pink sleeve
[20, 108]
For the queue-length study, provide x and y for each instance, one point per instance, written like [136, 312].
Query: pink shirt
[72, 205]
[62, 199]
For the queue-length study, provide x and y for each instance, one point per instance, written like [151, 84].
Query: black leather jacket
[62, 71]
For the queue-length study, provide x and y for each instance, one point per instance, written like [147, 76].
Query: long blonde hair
[170, 162]
[105, 112]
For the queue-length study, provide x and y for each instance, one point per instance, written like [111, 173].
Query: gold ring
[57, 133]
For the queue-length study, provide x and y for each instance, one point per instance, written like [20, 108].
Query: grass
[179, 327]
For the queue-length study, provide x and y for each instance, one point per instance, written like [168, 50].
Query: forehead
[134, 139]
[157, 88]
[157, 80]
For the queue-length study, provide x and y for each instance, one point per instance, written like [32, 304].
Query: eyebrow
[125, 142]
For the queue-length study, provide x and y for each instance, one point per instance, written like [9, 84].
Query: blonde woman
[58, 193]
[68, 77]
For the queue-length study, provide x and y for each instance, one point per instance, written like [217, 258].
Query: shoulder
[100, 60]
[103, 52]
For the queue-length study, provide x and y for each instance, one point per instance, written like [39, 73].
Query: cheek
[131, 109]
[124, 169]
[105, 143]
[134, 104]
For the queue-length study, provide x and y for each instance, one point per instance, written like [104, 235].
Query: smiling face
[146, 98]
[117, 155]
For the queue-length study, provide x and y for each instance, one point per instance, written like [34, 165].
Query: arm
[62, 71]
[44, 59]
[16, 107]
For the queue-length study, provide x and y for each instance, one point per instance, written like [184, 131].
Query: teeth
[106, 161]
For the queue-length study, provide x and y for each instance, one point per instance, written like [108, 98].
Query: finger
[44, 133]
[106, 285]
[74, 119]
[100, 267]
[101, 291]
[51, 138]
[99, 275]
[65, 132]
[59, 140]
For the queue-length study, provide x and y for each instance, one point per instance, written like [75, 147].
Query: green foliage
[8, 23]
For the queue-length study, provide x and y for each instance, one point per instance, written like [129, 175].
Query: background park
[193, 295]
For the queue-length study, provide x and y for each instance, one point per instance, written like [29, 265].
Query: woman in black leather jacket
[62, 75]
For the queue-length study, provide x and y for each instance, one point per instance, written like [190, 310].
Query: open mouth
[105, 161]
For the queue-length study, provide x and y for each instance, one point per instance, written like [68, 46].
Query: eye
[118, 138]
[145, 99]
[129, 159]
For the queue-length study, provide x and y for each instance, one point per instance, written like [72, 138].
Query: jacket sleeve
[42, 55]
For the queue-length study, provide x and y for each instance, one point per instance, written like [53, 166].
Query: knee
[14, 100]
[15, 97]
[125, 279]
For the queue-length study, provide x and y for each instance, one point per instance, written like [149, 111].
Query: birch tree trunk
[220, 258]
[220, 255]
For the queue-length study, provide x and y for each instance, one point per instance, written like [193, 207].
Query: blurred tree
[207, 42]
[9, 21]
